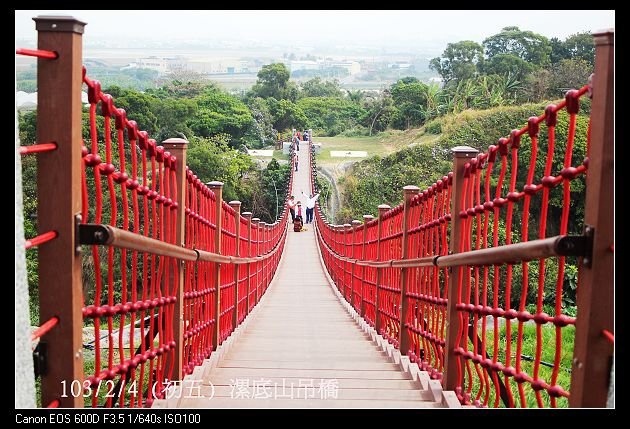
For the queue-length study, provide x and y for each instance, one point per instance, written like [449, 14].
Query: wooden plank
[380, 365]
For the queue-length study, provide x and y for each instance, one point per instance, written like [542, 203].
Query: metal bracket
[577, 245]
[93, 234]
[77, 226]
[40, 355]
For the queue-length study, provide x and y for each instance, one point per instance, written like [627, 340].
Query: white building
[304, 65]
[353, 67]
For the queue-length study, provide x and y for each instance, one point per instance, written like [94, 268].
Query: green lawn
[381, 144]
[527, 365]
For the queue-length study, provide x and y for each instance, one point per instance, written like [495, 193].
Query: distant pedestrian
[306, 135]
[297, 161]
[310, 206]
[291, 205]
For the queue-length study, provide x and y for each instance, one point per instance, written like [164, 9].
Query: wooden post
[382, 209]
[236, 205]
[255, 224]
[592, 356]
[59, 203]
[248, 216]
[366, 219]
[177, 147]
[409, 192]
[217, 188]
[462, 154]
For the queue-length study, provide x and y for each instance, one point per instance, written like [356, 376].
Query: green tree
[212, 159]
[221, 113]
[380, 111]
[172, 116]
[286, 114]
[458, 61]
[410, 97]
[273, 81]
[569, 74]
[316, 87]
[581, 45]
[504, 64]
[330, 115]
[263, 121]
[527, 45]
[558, 50]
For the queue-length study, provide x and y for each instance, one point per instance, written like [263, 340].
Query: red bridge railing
[458, 274]
[144, 270]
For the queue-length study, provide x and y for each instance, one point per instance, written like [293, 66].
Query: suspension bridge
[193, 303]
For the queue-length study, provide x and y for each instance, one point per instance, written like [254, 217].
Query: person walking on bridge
[310, 206]
[291, 205]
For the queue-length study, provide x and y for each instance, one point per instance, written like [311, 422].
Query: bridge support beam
[592, 358]
[177, 147]
[409, 192]
[382, 209]
[462, 154]
[59, 110]
[217, 188]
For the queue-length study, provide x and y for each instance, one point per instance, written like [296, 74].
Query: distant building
[161, 65]
[353, 67]
[304, 65]
[400, 65]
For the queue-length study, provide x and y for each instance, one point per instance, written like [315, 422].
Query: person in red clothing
[297, 222]
[291, 205]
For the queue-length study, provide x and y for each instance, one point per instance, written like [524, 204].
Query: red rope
[44, 328]
[40, 239]
[39, 53]
[53, 404]
[609, 336]
[37, 148]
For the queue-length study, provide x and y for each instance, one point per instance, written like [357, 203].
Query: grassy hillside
[425, 157]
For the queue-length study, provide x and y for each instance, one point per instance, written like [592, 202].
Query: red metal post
[217, 188]
[592, 355]
[59, 203]
[248, 216]
[462, 154]
[409, 192]
[366, 219]
[382, 209]
[236, 205]
[255, 221]
[177, 147]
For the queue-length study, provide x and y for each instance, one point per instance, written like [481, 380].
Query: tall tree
[411, 100]
[458, 61]
[527, 45]
[581, 46]
[317, 87]
[273, 81]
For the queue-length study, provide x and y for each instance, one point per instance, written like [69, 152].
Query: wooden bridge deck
[300, 348]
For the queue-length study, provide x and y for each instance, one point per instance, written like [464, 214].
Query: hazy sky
[312, 27]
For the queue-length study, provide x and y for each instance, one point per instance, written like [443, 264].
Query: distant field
[381, 144]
